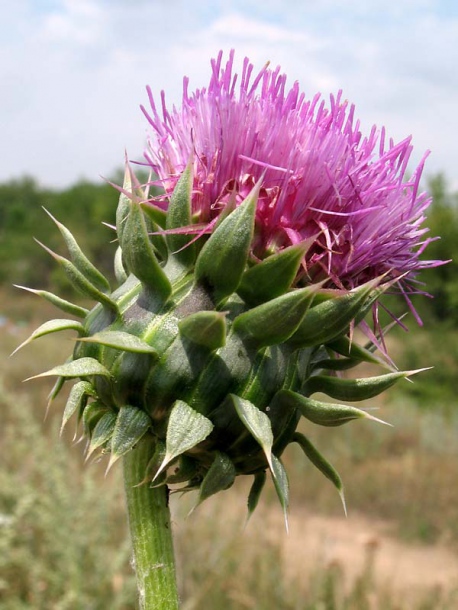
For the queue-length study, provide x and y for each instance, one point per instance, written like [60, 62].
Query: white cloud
[73, 76]
[236, 25]
[77, 21]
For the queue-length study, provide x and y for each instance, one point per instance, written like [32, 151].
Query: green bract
[210, 351]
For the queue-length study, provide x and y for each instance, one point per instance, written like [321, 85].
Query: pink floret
[322, 178]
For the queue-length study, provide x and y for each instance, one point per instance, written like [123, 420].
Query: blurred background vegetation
[63, 534]
[86, 206]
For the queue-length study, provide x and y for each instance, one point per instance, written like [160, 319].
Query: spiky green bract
[102, 432]
[81, 281]
[352, 389]
[275, 321]
[122, 341]
[83, 367]
[344, 346]
[220, 476]
[186, 428]
[322, 413]
[77, 400]
[130, 426]
[256, 491]
[62, 304]
[52, 326]
[321, 463]
[179, 216]
[273, 276]
[331, 318]
[257, 423]
[140, 256]
[79, 259]
[223, 259]
[206, 328]
[205, 353]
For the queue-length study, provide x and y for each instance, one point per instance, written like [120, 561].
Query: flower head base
[240, 286]
[321, 177]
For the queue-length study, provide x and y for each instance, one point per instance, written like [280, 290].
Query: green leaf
[186, 429]
[220, 476]
[281, 484]
[207, 328]
[352, 389]
[255, 491]
[131, 425]
[273, 276]
[179, 215]
[324, 413]
[257, 423]
[223, 258]
[79, 259]
[83, 367]
[62, 304]
[76, 400]
[102, 432]
[275, 321]
[321, 463]
[121, 340]
[52, 326]
[80, 282]
[332, 317]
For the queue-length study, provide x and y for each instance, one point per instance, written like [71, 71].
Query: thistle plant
[278, 229]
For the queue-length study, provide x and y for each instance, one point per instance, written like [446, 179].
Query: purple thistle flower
[323, 180]
[199, 366]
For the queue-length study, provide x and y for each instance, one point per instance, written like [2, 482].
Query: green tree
[21, 217]
[442, 282]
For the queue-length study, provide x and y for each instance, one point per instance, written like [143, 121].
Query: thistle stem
[150, 528]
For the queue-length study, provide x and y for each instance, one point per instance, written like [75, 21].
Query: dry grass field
[63, 535]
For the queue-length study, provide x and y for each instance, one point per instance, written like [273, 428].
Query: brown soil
[407, 570]
[350, 542]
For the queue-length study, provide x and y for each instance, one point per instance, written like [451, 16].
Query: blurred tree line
[85, 206]
[442, 282]
[81, 207]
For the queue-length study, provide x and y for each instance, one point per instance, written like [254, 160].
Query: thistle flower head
[279, 228]
[322, 178]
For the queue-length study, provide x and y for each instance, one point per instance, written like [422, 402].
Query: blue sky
[73, 72]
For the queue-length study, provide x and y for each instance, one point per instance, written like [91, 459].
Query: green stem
[150, 528]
